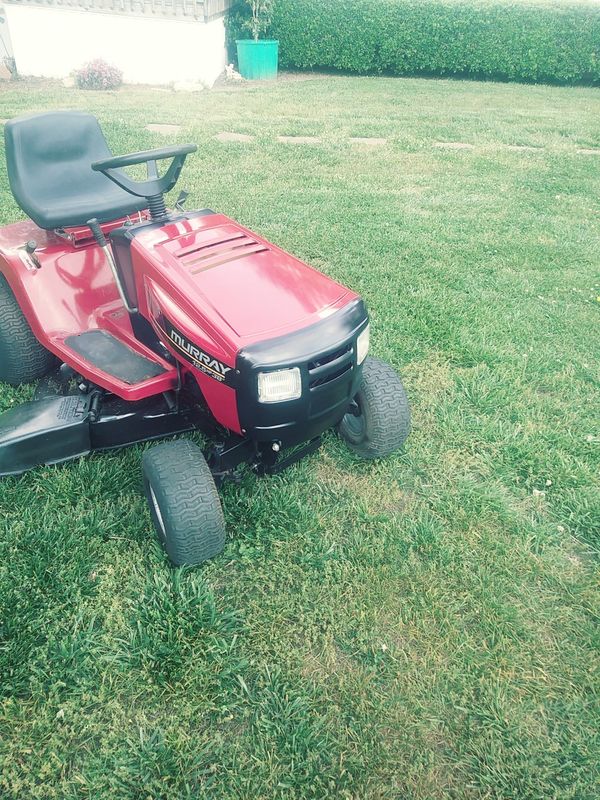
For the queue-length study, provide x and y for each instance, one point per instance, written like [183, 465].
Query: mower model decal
[191, 352]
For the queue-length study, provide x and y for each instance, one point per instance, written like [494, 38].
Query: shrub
[98, 74]
[486, 38]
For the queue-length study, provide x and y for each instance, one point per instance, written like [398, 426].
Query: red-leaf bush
[98, 74]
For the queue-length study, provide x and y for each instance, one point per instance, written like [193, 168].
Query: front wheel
[184, 502]
[379, 420]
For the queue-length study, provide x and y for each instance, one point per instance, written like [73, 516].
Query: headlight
[362, 346]
[283, 384]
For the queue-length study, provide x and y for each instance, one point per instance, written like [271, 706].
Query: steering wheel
[154, 186]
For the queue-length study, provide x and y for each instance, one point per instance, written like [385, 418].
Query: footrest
[113, 356]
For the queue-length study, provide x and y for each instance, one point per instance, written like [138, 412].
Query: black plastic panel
[123, 423]
[43, 432]
[325, 353]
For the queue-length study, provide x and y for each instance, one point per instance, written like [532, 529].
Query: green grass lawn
[421, 627]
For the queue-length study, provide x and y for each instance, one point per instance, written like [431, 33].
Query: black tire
[22, 357]
[382, 421]
[184, 502]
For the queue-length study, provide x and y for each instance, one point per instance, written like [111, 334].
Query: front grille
[312, 365]
[325, 354]
[329, 367]
[329, 377]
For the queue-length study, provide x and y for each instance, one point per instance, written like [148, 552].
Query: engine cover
[225, 302]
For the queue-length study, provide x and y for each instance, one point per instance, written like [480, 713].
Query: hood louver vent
[200, 257]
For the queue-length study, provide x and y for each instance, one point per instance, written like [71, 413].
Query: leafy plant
[98, 74]
[552, 43]
[260, 17]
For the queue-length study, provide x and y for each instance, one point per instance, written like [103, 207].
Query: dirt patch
[577, 555]
[386, 497]
[589, 151]
[431, 377]
[331, 661]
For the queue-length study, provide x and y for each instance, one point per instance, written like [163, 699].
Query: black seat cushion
[49, 157]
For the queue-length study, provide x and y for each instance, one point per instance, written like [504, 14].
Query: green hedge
[503, 40]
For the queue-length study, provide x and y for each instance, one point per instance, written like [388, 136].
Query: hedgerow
[542, 42]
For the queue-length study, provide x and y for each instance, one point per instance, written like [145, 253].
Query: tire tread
[386, 408]
[187, 495]
[22, 357]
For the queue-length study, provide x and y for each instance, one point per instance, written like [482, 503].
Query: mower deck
[63, 423]
[57, 428]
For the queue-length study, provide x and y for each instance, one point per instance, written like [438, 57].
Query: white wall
[5, 50]
[51, 42]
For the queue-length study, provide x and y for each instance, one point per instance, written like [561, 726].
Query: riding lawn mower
[141, 322]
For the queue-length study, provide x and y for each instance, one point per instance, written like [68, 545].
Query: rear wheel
[184, 502]
[379, 420]
[22, 357]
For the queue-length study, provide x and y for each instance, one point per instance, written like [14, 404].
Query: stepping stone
[299, 139]
[454, 145]
[164, 128]
[227, 136]
[587, 151]
[523, 147]
[372, 141]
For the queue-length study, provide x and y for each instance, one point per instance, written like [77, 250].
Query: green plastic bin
[257, 60]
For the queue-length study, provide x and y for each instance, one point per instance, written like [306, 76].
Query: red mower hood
[249, 288]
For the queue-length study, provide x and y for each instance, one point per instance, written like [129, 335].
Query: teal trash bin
[257, 60]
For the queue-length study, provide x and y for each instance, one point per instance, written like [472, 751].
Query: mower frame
[64, 421]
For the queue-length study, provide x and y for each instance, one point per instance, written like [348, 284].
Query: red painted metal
[242, 287]
[82, 234]
[72, 292]
[222, 285]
